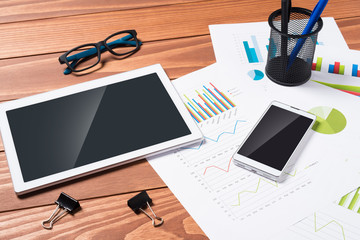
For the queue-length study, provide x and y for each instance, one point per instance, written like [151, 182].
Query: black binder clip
[67, 204]
[139, 202]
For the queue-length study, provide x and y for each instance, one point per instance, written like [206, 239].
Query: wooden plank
[127, 178]
[30, 75]
[104, 218]
[156, 23]
[350, 28]
[17, 10]
[1, 144]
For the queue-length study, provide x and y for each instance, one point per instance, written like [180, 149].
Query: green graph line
[292, 175]
[275, 184]
[332, 221]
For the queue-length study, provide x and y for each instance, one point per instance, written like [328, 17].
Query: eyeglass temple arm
[75, 58]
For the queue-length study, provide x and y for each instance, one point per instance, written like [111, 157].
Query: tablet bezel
[22, 187]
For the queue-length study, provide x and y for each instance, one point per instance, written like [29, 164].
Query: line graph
[221, 169]
[217, 138]
[331, 223]
[240, 193]
[325, 225]
[257, 192]
[291, 174]
[275, 184]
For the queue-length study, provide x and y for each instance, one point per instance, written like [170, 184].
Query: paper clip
[139, 202]
[64, 202]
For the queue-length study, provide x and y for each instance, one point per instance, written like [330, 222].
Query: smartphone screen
[275, 137]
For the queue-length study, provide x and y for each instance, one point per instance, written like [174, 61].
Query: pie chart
[329, 120]
[256, 74]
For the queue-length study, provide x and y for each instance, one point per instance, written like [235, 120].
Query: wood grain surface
[175, 33]
[104, 218]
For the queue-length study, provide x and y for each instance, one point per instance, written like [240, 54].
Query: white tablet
[74, 131]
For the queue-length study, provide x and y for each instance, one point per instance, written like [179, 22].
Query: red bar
[313, 67]
[358, 73]
[216, 112]
[336, 67]
[205, 110]
[224, 104]
[202, 115]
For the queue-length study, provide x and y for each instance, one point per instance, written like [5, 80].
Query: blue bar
[196, 111]
[223, 97]
[194, 118]
[254, 57]
[210, 108]
[248, 52]
[331, 68]
[257, 49]
[216, 98]
[273, 48]
[355, 70]
[212, 102]
[201, 107]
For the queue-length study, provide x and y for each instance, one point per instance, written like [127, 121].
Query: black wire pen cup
[291, 54]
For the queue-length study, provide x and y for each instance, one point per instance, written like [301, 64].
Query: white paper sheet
[227, 201]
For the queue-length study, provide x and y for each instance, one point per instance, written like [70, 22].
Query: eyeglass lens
[83, 57]
[121, 43]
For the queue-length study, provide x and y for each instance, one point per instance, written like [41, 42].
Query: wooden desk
[175, 33]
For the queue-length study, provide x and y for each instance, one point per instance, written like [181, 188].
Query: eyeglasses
[88, 55]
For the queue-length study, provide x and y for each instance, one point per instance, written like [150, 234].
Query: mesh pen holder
[284, 66]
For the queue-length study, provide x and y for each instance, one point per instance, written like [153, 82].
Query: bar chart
[253, 53]
[351, 201]
[336, 67]
[207, 102]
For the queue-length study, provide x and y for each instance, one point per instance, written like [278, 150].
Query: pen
[314, 17]
[285, 16]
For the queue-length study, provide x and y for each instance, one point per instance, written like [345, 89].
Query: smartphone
[275, 141]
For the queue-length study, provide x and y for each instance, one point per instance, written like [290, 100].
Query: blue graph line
[214, 140]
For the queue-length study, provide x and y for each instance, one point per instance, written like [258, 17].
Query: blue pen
[314, 17]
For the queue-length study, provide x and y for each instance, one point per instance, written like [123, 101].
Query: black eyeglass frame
[63, 58]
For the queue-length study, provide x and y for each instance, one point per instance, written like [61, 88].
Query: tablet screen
[93, 125]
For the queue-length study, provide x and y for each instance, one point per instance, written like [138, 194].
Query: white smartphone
[275, 141]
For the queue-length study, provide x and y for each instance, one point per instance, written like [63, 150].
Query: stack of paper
[226, 99]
